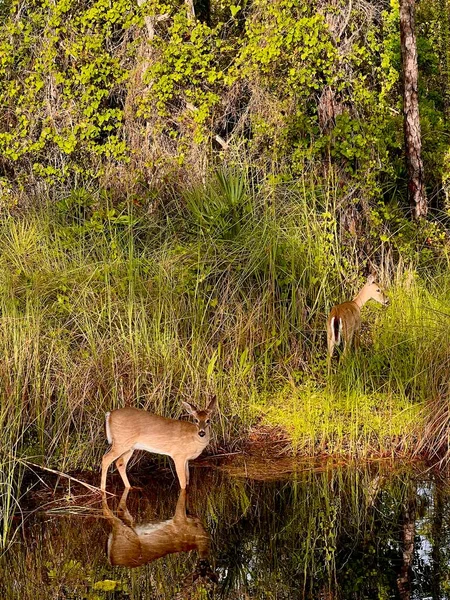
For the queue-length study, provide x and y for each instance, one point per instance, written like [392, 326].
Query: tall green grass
[222, 290]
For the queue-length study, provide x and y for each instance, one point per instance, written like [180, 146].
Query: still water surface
[243, 531]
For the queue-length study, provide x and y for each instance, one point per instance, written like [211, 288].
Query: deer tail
[108, 429]
[336, 328]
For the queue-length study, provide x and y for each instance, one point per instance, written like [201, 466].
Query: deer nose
[201, 433]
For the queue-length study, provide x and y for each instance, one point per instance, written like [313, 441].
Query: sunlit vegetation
[183, 199]
[228, 296]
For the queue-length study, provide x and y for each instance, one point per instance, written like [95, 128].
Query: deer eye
[196, 421]
[378, 291]
[207, 421]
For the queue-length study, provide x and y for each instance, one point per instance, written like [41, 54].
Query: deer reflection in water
[133, 545]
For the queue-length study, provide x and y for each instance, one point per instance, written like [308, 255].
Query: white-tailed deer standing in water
[132, 545]
[129, 429]
[344, 321]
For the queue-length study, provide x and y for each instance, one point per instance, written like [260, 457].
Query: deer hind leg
[331, 343]
[347, 346]
[331, 346]
[351, 340]
[121, 464]
[122, 510]
[107, 460]
[357, 338]
[182, 469]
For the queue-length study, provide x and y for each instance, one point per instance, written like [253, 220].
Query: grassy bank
[223, 290]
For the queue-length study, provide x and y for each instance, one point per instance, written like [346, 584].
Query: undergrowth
[223, 291]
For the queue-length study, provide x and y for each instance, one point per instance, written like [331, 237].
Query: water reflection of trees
[336, 534]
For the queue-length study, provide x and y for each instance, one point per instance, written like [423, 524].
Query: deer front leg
[181, 467]
[187, 472]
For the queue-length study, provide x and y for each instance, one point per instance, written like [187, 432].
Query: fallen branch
[29, 464]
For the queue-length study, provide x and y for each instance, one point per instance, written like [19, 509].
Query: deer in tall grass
[129, 429]
[344, 320]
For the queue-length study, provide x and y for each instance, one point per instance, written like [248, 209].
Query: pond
[245, 529]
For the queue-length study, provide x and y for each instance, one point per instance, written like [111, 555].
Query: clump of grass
[348, 422]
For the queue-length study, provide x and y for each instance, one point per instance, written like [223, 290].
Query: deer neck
[361, 298]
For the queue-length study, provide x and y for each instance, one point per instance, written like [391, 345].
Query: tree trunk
[408, 530]
[438, 563]
[190, 9]
[411, 121]
[445, 51]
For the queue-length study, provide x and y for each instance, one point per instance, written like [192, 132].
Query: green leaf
[234, 10]
[107, 585]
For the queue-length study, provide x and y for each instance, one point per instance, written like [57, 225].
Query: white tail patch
[108, 430]
[336, 330]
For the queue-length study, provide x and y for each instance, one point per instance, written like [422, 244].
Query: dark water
[245, 531]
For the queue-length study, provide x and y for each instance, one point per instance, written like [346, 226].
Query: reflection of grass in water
[10, 481]
[336, 529]
[101, 308]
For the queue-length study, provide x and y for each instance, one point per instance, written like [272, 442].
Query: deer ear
[371, 279]
[212, 405]
[191, 409]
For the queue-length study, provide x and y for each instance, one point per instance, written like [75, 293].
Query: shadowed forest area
[186, 189]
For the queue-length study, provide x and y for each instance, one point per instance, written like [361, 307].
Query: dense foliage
[133, 95]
